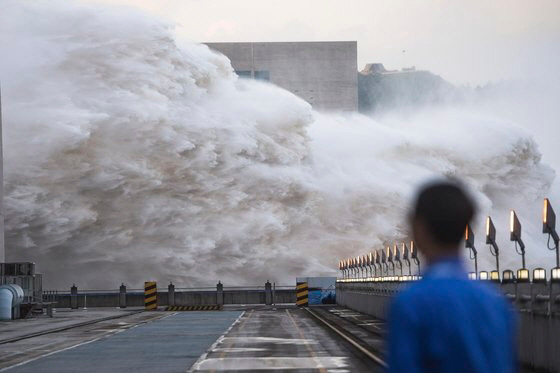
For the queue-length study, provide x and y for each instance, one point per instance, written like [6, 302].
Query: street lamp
[397, 257]
[515, 235]
[414, 255]
[491, 240]
[405, 257]
[390, 259]
[469, 244]
[384, 264]
[549, 226]
[378, 261]
[370, 264]
[508, 276]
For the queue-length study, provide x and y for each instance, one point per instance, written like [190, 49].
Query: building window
[262, 75]
[244, 74]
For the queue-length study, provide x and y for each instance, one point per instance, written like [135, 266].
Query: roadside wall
[538, 305]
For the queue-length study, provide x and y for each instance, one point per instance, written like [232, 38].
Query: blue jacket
[447, 323]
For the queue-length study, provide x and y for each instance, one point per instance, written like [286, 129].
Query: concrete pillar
[122, 296]
[171, 294]
[268, 293]
[219, 293]
[2, 251]
[74, 297]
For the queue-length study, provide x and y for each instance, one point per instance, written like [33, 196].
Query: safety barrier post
[302, 294]
[150, 295]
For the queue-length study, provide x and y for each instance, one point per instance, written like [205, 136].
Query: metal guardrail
[538, 302]
[165, 289]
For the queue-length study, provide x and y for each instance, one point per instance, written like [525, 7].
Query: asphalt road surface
[255, 340]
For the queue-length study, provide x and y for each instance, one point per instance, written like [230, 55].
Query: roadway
[282, 340]
[251, 339]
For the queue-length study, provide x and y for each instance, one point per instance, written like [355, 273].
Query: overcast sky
[465, 41]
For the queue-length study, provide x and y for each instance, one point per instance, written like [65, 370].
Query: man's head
[439, 218]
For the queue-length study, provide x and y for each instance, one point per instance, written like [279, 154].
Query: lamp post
[469, 243]
[397, 258]
[372, 264]
[414, 255]
[549, 227]
[390, 259]
[405, 258]
[384, 261]
[515, 235]
[378, 261]
[362, 265]
[491, 240]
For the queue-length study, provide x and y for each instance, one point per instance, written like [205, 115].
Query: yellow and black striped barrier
[212, 307]
[150, 295]
[302, 294]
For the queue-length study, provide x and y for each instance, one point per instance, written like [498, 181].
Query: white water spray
[129, 157]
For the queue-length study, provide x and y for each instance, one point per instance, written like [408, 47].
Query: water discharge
[130, 156]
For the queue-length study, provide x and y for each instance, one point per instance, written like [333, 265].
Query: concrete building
[325, 74]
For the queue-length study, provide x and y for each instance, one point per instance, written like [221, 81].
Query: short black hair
[446, 209]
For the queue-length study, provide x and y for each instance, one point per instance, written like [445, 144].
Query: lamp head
[490, 231]
[413, 251]
[514, 227]
[539, 275]
[523, 275]
[469, 237]
[555, 275]
[549, 218]
[508, 276]
[389, 254]
[404, 251]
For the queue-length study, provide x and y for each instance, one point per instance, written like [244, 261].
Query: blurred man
[445, 322]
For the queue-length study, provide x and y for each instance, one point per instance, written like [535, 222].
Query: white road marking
[203, 357]
[373, 325]
[239, 349]
[105, 335]
[49, 354]
[279, 341]
[272, 363]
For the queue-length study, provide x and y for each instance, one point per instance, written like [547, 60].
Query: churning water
[130, 156]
